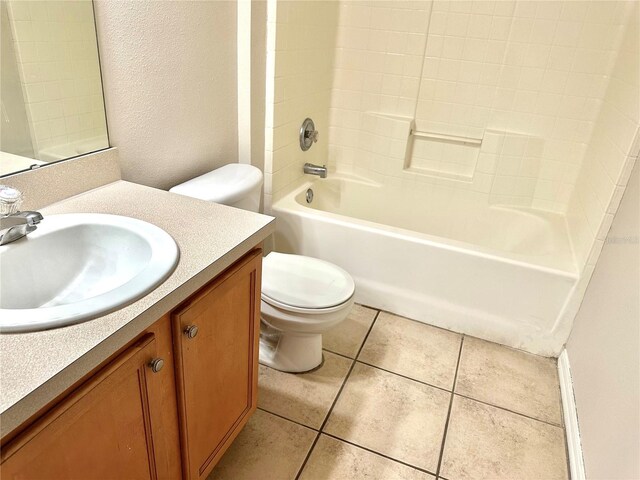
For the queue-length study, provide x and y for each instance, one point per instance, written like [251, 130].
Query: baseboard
[574, 446]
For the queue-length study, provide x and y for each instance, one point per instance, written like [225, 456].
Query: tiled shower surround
[519, 103]
[300, 50]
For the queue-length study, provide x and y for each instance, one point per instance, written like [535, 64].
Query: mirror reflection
[50, 85]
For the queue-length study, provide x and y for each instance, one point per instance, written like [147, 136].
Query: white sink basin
[76, 267]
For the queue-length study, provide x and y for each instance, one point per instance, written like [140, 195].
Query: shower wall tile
[517, 168]
[379, 54]
[524, 67]
[444, 158]
[301, 39]
[613, 148]
[462, 68]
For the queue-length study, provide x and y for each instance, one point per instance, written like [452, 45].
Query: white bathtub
[501, 274]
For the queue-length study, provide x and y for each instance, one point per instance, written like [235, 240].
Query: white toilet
[302, 297]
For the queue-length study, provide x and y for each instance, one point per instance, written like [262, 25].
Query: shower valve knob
[313, 136]
[308, 134]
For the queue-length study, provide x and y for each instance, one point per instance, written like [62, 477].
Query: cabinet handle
[156, 365]
[191, 331]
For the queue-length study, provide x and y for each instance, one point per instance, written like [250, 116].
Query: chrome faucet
[315, 170]
[13, 223]
[14, 227]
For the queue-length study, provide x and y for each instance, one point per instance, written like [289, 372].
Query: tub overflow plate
[309, 195]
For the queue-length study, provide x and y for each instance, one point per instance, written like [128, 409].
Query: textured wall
[603, 350]
[169, 71]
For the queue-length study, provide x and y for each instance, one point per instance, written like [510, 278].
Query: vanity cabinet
[168, 405]
[105, 429]
[216, 343]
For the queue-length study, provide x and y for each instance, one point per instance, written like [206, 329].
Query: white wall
[169, 72]
[258, 73]
[604, 350]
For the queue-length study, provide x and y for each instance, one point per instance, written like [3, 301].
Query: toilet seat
[307, 311]
[304, 284]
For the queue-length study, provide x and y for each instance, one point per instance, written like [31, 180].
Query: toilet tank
[237, 185]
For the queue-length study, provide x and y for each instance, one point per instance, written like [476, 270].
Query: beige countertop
[37, 367]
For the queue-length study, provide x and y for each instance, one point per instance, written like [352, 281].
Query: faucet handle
[10, 200]
[308, 134]
[313, 135]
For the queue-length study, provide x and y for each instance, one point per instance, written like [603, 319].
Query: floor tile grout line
[404, 376]
[335, 400]
[349, 442]
[446, 423]
[551, 424]
[344, 382]
[461, 334]
[460, 394]
[366, 337]
[308, 455]
[497, 406]
[464, 335]
[452, 392]
[420, 322]
[354, 360]
[287, 419]
[339, 354]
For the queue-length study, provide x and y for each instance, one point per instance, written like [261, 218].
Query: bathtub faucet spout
[315, 170]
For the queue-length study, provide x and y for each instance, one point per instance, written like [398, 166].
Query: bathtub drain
[309, 195]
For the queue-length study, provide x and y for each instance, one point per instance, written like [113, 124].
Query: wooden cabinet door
[217, 370]
[101, 431]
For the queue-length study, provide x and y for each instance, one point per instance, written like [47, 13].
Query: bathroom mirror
[50, 85]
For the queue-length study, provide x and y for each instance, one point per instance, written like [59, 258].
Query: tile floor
[398, 399]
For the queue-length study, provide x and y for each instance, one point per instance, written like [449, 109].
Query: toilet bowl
[302, 297]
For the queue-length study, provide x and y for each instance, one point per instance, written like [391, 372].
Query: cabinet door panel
[103, 430]
[216, 370]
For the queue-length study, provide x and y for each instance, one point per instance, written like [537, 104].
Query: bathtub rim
[288, 202]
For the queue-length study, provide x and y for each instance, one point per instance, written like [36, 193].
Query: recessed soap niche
[504, 165]
[446, 156]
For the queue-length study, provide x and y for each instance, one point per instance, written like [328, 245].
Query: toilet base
[290, 352]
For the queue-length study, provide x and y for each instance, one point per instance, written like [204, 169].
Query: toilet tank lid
[226, 185]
